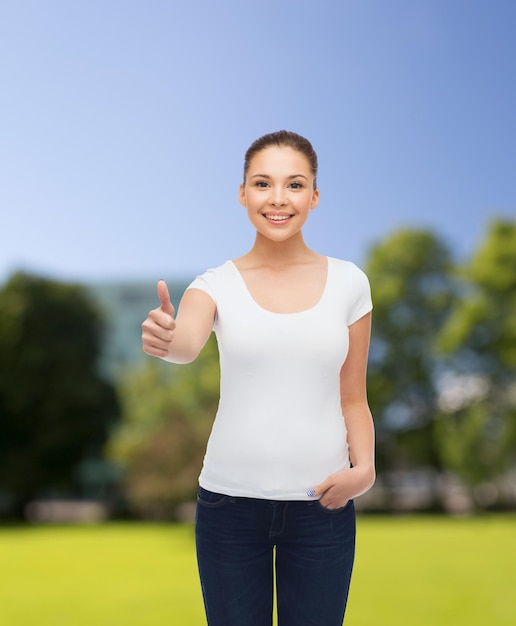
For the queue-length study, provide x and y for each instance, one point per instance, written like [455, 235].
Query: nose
[277, 197]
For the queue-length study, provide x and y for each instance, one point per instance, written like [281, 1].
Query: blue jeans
[314, 550]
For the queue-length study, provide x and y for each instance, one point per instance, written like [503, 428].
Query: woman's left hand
[339, 488]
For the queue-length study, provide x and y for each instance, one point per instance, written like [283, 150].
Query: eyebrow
[288, 177]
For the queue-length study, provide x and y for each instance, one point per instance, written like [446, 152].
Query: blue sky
[123, 126]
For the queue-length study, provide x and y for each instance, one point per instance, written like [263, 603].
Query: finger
[164, 298]
[153, 350]
[158, 325]
[156, 342]
[320, 489]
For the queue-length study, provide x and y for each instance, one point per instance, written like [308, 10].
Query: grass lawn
[414, 571]
[434, 571]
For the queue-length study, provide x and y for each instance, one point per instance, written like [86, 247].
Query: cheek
[251, 199]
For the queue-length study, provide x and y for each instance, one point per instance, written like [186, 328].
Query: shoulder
[348, 270]
[212, 279]
[353, 289]
[214, 274]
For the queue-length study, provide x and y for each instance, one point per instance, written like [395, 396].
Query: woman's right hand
[159, 327]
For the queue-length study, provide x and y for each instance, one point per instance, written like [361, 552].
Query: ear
[315, 199]
[241, 195]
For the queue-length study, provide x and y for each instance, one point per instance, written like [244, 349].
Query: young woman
[293, 440]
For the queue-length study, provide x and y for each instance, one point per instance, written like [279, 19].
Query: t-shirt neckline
[268, 311]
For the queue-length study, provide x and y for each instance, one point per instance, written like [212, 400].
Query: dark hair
[283, 138]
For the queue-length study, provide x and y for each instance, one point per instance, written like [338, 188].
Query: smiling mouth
[277, 218]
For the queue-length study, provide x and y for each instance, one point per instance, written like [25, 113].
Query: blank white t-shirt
[279, 429]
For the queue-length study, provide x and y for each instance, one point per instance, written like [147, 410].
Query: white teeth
[278, 218]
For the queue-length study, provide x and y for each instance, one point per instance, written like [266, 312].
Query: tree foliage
[476, 429]
[410, 280]
[54, 407]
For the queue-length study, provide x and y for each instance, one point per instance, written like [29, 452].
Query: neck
[274, 253]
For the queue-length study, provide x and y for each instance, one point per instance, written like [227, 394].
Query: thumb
[164, 298]
[320, 489]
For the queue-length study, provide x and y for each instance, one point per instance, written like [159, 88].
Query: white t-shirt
[279, 429]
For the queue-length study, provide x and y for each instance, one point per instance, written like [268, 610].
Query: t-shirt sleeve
[361, 301]
[205, 282]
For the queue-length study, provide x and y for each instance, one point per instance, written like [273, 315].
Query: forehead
[280, 159]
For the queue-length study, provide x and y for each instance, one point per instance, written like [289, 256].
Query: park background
[124, 126]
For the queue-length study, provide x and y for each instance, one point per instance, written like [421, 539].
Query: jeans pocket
[210, 499]
[325, 509]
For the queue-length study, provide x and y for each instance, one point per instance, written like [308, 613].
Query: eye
[261, 184]
[295, 185]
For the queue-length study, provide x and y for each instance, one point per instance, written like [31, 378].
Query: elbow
[372, 477]
[367, 477]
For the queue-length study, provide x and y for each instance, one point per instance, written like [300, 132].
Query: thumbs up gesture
[159, 327]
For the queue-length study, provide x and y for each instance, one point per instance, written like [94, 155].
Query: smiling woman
[278, 191]
[293, 439]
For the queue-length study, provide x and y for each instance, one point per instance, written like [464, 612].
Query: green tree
[476, 431]
[410, 280]
[167, 413]
[55, 410]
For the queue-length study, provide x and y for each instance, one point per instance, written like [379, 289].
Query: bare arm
[338, 488]
[178, 340]
[355, 408]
